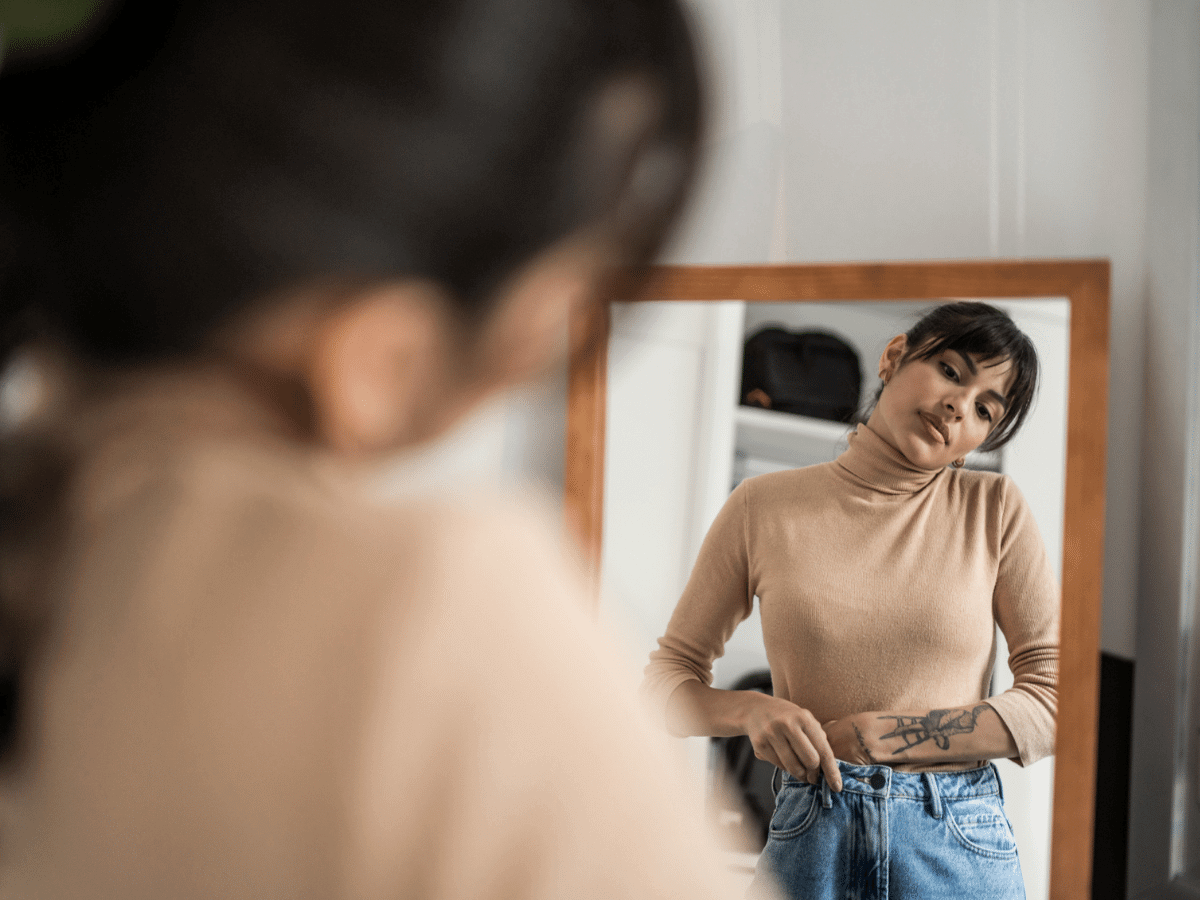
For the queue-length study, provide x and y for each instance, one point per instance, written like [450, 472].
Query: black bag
[811, 373]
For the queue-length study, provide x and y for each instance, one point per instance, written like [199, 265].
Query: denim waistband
[884, 781]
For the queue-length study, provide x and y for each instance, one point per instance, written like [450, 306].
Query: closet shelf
[786, 437]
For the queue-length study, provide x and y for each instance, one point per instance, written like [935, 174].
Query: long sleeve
[719, 594]
[1026, 607]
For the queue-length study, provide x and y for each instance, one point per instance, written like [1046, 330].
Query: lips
[936, 429]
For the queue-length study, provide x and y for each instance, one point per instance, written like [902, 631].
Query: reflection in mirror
[677, 441]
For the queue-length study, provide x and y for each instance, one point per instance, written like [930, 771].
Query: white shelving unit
[786, 438]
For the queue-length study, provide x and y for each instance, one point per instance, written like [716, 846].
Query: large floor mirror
[657, 438]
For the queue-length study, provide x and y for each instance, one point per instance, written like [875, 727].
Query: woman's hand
[780, 732]
[791, 738]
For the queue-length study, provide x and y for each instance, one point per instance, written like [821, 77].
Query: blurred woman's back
[249, 245]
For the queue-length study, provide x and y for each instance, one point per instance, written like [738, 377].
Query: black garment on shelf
[812, 373]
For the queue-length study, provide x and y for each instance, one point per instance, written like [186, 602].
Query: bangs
[990, 336]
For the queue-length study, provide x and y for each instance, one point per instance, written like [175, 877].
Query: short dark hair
[988, 333]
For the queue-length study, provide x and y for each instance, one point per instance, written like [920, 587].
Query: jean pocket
[796, 808]
[980, 825]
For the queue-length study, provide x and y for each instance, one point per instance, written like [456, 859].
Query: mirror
[692, 368]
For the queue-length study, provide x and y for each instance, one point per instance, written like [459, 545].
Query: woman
[882, 577]
[250, 246]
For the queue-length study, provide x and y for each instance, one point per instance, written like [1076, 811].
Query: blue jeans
[892, 835]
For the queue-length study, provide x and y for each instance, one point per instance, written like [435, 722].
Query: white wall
[938, 129]
[1165, 784]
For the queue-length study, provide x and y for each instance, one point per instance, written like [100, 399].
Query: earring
[959, 463]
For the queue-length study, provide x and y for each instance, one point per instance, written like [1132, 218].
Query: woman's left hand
[852, 741]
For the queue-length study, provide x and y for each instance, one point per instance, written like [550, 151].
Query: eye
[984, 412]
[949, 371]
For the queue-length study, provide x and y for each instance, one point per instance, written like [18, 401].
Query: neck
[873, 462]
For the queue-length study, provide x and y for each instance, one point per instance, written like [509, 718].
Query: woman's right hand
[781, 733]
[790, 737]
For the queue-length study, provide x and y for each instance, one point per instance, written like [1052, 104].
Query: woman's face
[937, 410]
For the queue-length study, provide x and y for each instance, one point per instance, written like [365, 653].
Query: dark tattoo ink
[863, 745]
[936, 727]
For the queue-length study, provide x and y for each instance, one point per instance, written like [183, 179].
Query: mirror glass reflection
[678, 440]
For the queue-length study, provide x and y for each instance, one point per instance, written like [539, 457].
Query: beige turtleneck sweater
[255, 681]
[880, 586]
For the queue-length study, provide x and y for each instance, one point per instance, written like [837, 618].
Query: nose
[952, 408]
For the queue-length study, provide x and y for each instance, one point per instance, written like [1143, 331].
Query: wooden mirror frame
[1086, 284]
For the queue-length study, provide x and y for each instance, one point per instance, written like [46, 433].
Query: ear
[528, 331]
[377, 368]
[893, 355]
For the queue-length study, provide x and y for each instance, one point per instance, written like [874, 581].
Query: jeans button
[878, 780]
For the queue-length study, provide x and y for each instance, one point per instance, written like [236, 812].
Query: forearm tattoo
[862, 744]
[936, 727]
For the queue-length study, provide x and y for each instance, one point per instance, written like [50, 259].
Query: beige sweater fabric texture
[880, 585]
[256, 682]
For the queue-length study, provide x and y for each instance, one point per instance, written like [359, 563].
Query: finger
[796, 744]
[828, 761]
[825, 760]
[791, 762]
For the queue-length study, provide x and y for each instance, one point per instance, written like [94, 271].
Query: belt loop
[778, 772]
[826, 800]
[935, 799]
[999, 781]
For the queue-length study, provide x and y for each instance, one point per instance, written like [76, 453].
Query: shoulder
[789, 485]
[994, 499]
[247, 514]
[974, 485]
[500, 547]
[809, 490]
[996, 487]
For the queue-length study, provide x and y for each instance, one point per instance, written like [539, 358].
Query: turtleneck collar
[874, 462]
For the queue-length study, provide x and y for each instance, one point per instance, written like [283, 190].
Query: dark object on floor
[1111, 837]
